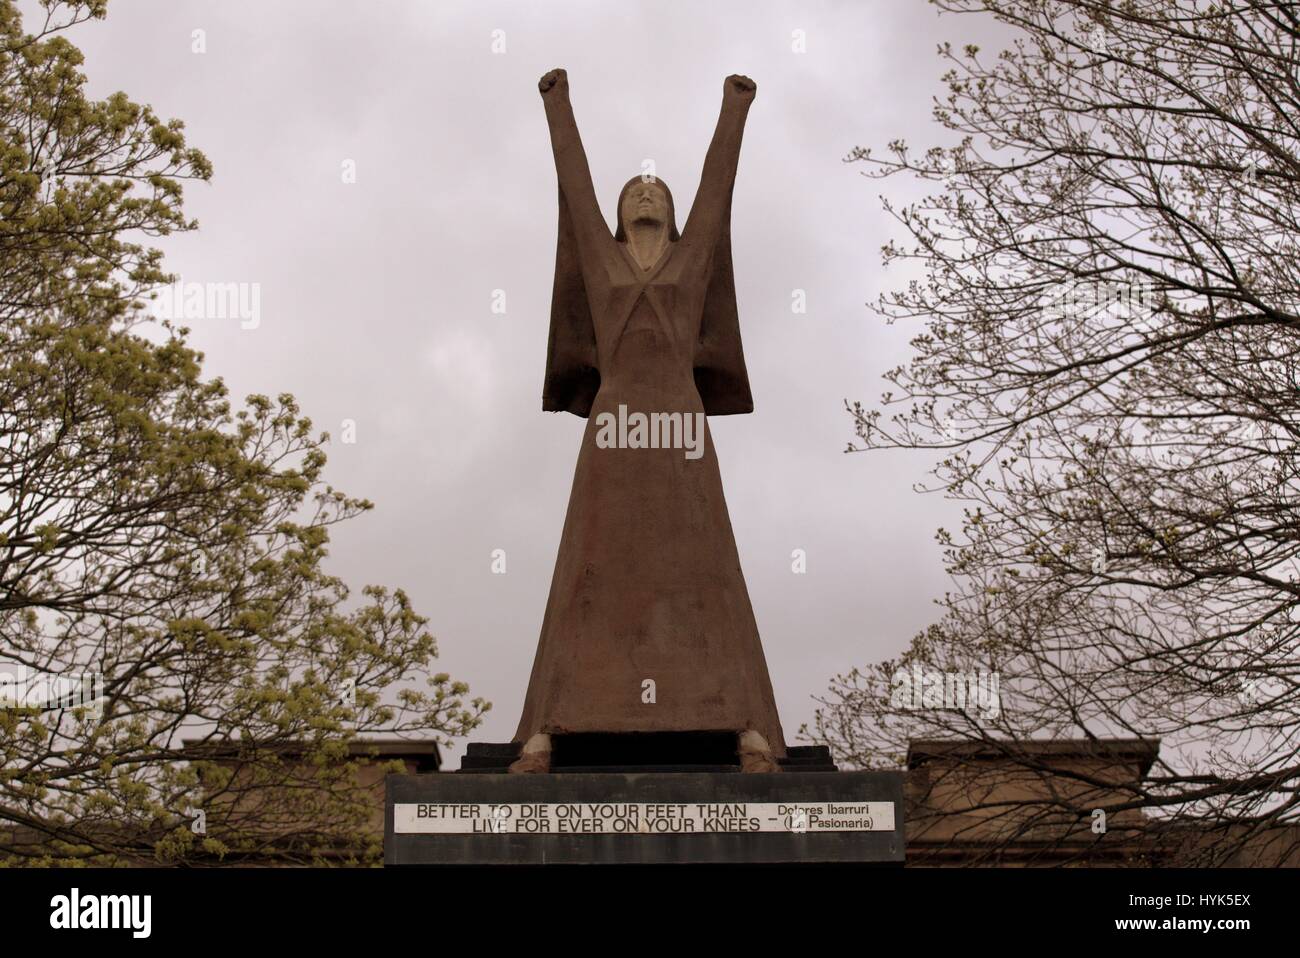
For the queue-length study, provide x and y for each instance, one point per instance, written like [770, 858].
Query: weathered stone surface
[648, 626]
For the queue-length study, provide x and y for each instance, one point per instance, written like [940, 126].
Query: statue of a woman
[648, 627]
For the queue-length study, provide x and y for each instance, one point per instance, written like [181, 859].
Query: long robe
[647, 585]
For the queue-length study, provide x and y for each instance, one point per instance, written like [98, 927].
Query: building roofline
[1142, 750]
[360, 747]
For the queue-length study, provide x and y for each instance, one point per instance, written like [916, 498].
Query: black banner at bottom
[290, 908]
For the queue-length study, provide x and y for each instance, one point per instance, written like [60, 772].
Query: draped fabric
[648, 625]
[572, 377]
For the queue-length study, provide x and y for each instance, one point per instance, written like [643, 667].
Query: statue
[648, 627]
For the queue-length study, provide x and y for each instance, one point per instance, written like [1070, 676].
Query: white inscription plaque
[629, 818]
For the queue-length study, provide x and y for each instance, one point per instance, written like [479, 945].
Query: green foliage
[156, 536]
[1106, 360]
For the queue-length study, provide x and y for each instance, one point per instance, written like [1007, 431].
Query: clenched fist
[739, 87]
[557, 79]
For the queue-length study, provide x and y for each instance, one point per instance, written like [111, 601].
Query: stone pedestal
[640, 817]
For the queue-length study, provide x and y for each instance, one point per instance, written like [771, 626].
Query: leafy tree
[151, 535]
[1108, 367]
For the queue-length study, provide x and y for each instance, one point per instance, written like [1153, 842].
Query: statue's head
[646, 201]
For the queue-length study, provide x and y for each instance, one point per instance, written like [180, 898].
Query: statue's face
[645, 203]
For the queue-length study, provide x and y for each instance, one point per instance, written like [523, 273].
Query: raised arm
[570, 159]
[713, 198]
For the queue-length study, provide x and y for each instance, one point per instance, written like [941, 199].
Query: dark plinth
[632, 752]
[811, 843]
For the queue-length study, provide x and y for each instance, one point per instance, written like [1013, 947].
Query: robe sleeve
[572, 377]
[576, 191]
[719, 367]
[712, 206]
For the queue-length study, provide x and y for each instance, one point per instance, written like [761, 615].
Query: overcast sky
[376, 296]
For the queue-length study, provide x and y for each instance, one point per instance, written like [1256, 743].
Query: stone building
[1009, 804]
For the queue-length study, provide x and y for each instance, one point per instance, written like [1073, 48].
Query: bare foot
[535, 758]
[755, 753]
